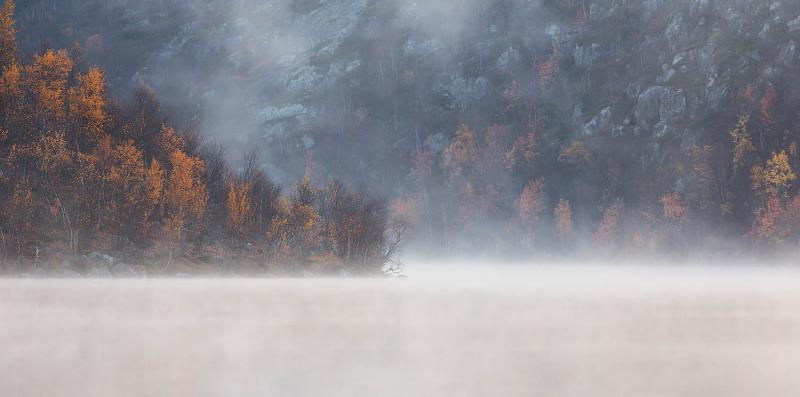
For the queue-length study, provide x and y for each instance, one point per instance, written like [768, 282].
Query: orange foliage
[47, 81]
[169, 142]
[775, 222]
[240, 208]
[154, 186]
[10, 93]
[531, 202]
[185, 195]
[87, 105]
[296, 230]
[775, 178]
[8, 35]
[462, 151]
[764, 225]
[133, 197]
[523, 151]
[575, 154]
[742, 144]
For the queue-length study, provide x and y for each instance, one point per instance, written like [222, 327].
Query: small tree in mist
[672, 208]
[296, 230]
[240, 209]
[563, 216]
[607, 232]
[742, 143]
[530, 206]
[252, 201]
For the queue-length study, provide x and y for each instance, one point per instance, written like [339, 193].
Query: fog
[560, 331]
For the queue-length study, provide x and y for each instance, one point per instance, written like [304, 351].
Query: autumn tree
[297, 228]
[563, 214]
[154, 191]
[353, 225]
[608, 229]
[531, 201]
[46, 81]
[11, 98]
[523, 151]
[575, 154]
[240, 209]
[8, 35]
[764, 224]
[672, 208]
[185, 196]
[136, 191]
[742, 143]
[462, 153]
[87, 106]
[168, 141]
[773, 179]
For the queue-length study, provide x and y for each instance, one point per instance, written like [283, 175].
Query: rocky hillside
[612, 103]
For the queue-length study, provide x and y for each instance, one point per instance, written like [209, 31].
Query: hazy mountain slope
[352, 89]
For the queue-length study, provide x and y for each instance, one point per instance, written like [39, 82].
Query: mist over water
[560, 331]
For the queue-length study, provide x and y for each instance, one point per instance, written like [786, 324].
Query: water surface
[571, 331]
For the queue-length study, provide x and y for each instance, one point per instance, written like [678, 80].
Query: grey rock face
[272, 114]
[788, 54]
[793, 26]
[599, 123]
[465, 92]
[586, 55]
[661, 64]
[660, 103]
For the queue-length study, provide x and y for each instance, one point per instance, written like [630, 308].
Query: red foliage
[548, 69]
[765, 224]
[511, 94]
[531, 201]
[673, 210]
[609, 226]
[768, 108]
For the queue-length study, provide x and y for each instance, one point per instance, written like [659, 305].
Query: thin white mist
[544, 330]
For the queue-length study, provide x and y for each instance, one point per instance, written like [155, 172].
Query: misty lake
[574, 331]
